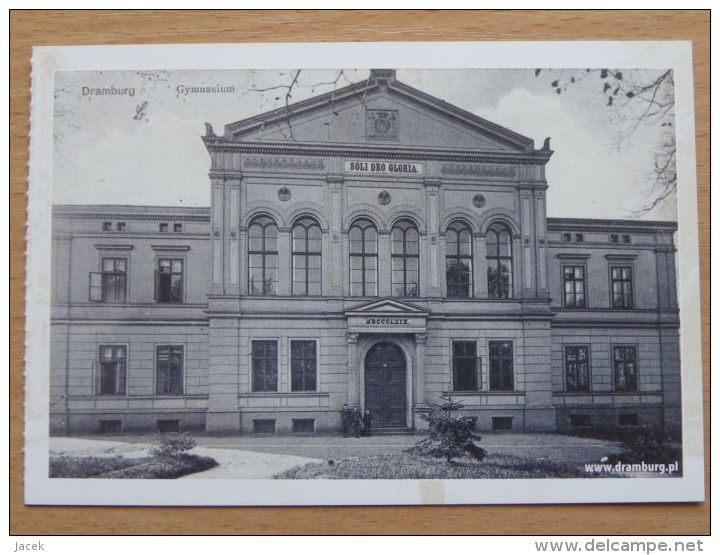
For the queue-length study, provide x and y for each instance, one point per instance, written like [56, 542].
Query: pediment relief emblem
[381, 124]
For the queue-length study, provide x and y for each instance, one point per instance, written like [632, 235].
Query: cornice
[377, 151]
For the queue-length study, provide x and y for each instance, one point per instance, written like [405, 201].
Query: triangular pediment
[379, 111]
[386, 306]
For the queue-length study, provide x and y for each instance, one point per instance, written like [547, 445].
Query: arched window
[405, 259]
[499, 261]
[262, 256]
[306, 257]
[458, 260]
[363, 258]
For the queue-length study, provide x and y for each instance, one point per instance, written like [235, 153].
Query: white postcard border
[39, 489]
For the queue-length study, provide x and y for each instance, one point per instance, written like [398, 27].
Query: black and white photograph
[364, 283]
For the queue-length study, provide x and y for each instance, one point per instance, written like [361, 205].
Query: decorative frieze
[476, 170]
[283, 163]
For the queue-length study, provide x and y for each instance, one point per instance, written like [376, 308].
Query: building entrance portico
[386, 353]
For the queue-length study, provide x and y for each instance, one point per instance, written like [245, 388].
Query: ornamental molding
[479, 171]
[284, 163]
[536, 157]
[122, 217]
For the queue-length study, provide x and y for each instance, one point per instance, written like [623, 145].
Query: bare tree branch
[640, 101]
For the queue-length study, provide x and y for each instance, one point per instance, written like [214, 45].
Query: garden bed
[404, 466]
[120, 467]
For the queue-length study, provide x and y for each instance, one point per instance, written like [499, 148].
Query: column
[384, 264]
[333, 285]
[353, 374]
[435, 263]
[420, 341]
[284, 272]
[543, 290]
[480, 290]
[231, 243]
[527, 288]
[217, 224]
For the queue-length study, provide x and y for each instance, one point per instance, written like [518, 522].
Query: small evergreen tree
[449, 435]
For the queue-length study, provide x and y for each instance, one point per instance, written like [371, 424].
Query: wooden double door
[385, 391]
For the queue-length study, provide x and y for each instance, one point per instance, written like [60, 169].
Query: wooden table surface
[29, 28]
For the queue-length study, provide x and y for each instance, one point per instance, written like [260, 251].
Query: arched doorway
[385, 393]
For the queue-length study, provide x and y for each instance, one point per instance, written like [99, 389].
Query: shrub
[449, 436]
[173, 445]
[85, 467]
[646, 444]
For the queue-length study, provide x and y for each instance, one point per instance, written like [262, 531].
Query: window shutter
[157, 286]
[95, 286]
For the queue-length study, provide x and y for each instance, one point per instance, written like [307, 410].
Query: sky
[108, 153]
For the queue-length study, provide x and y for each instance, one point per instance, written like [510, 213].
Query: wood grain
[28, 28]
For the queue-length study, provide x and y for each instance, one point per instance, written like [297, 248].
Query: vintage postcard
[363, 274]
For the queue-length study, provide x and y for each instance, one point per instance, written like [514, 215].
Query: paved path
[553, 447]
[232, 463]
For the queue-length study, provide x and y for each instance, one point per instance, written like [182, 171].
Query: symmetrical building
[375, 247]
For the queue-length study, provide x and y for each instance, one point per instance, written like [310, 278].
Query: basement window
[628, 419]
[263, 426]
[303, 425]
[168, 426]
[580, 420]
[502, 423]
[110, 426]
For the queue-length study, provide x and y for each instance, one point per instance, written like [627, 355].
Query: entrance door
[385, 386]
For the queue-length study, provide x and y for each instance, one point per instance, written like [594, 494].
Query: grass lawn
[120, 467]
[404, 466]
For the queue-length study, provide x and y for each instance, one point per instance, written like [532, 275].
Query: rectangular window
[579, 237]
[264, 426]
[613, 237]
[502, 423]
[501, 366]
[303, 365]
[628, 419]
[621, 286]
[580, 420]
[303, 425]
[167, 426]
[121, 226]
[169, 370]
[465, 366]
[110, 426]
[626, 238]
[264, 366]
[625, 368]
[574, 286]
[109, 285]
[169, 281]
[177, 228]
[112, 370]
[107, 226]
[164, 228]
[577, 368]
[566, 237]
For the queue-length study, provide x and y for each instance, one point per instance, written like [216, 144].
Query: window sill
[134, 397]
[479, 393]
[262, 394]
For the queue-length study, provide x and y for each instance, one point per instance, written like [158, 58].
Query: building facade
[376, 248]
